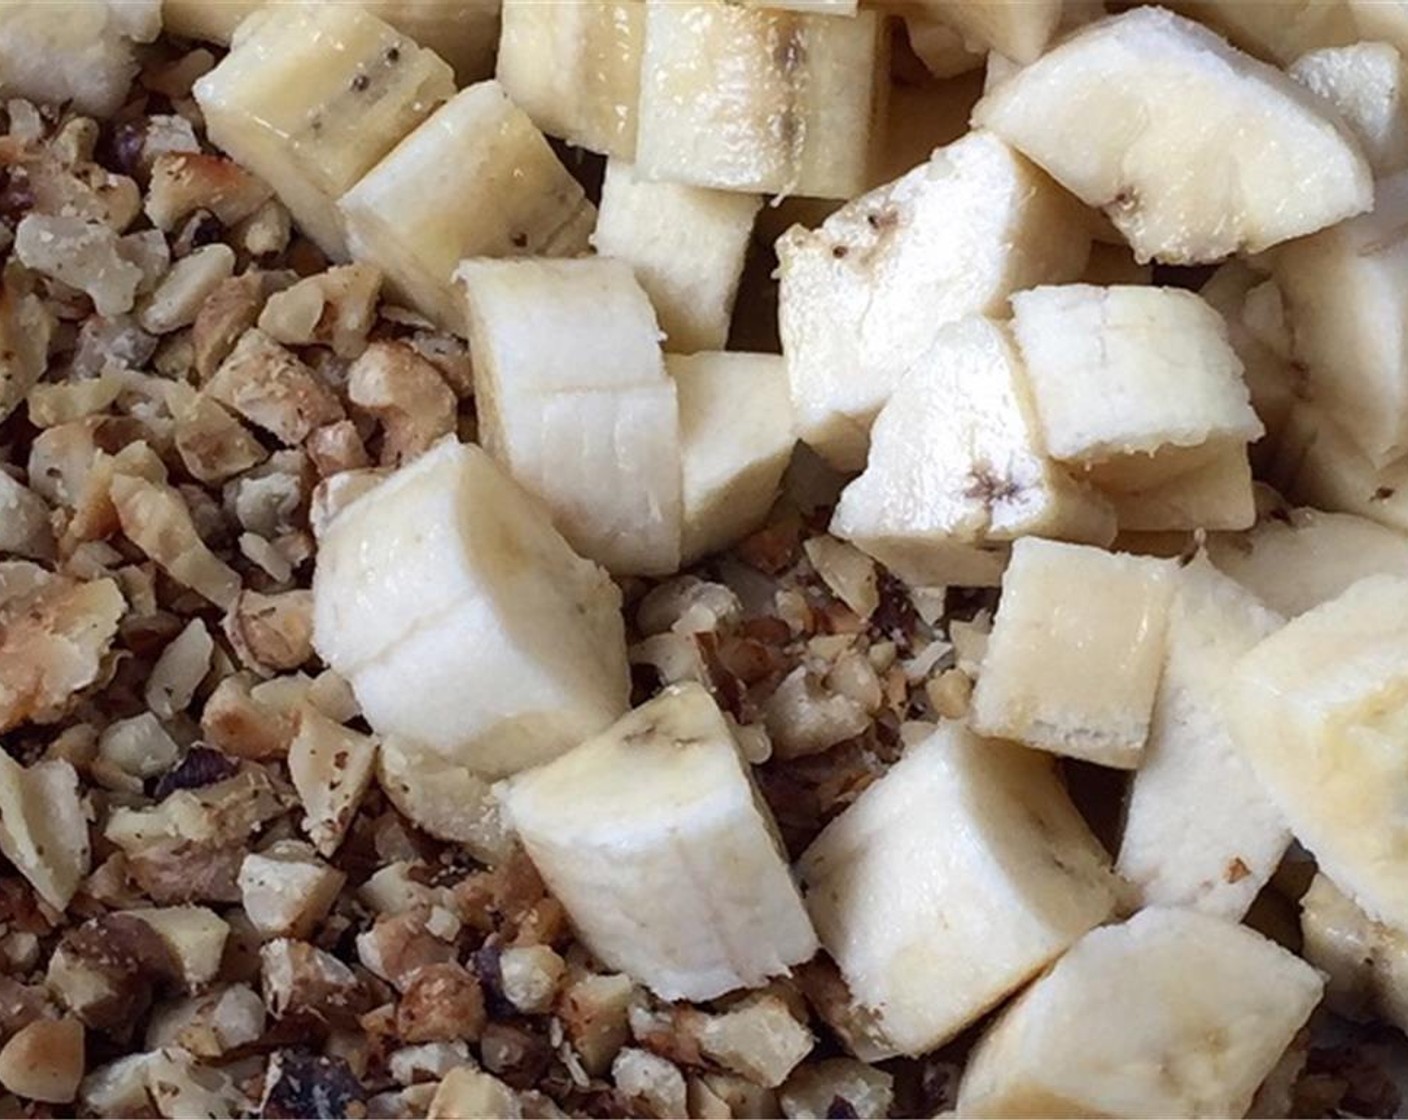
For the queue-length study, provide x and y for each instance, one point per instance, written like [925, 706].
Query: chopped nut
[468, 1092]
[594, 1011]
[212, 444]
[394, 889]
[139, 747]
[530, 976]
[157, 521]
[848, 572]
[740, 1096]
[760, 1039]
[149, 254]
[210, 1025]
[688, 605]
[227, 313]
[444, 799]
[193, 935]
[949, 693]
[441, 1003]
[168, 1081]
[237, 723]
[337, 447]
[407, 394]
[302, 979]
[336, 493]
[81, 254]
[184, 182]
[271, 632]
[803, 718]
[25, 529]
[266, 231]
[287, 890]
[811, 1092]
[273, 390]
[450, 356]
[299, 1085]
[970, 642]
[183, 291]
[651, 1082]
[430, 1061]
[400, 945]
[26, 326]
[44, 1061]
[336, 308]
[52, 405]
[331, 767]
[177, 674]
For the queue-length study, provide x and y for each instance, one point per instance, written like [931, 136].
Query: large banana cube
[574, 400]
[1365, 962]
[736, 438]
[1194, 150]
[655, 840]
[1283, 31]
[464, 621]
[1368, 84]
[686, 245]
[1076, 649]
[862, 295]
[1216, 494]
[1173, 1013]
[1199, 829]
[475, 180]
[311, 97]
[958, 470]
[1321, 710]
[750, 99]
[575, 68]
[949, 883]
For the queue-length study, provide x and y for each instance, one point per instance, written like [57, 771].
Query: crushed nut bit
[273, 390]
[184, 182]
[407, 394]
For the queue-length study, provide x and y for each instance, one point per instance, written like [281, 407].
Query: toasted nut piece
[803, 717]
[44, 1061]
[177, 674]
[811, 1092]
[139, 746]
[594, 1012]
[271, 388]
[209, 1025]
[266, 231]
[335, 308]
[442, 1002]
[26, 324]
[471, 1092]
[301, 978]
[83, 255]
[229, 311]
[759, 1039]
[408, 395]
[25, 528]
[337, 447]
[331, 767]
[184, 182]
[44, 827]
[271, 632]
[443, 798]
[184, 290]
[237, 723]
[156, 519]
[194, 936]
[650, 1080]
[430, 1061]
[287, 890]
[530, 975]
[212, 444]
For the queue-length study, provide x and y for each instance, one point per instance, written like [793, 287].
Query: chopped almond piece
[331, 768]
[44, 1061]
[287, 890]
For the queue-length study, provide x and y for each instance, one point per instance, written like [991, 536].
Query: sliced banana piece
[575, 69]
[958, 469]
[949, 883]
[1278, 32]
[864, 294]
[1365, 962]
[1320, 709]
[686, 245]
[1199, 829]
[311, 97]
[1368, 85]
[574, 401]
[1193, 150]
[655, 840]
[464, 621]
[751, 99]
[1215, 495]
[1173, 1013]
[1316, 463]
[475, 180]
[736, 438]
[1070, 672]
[1018, 31]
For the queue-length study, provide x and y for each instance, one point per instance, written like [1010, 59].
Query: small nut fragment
[595, 1013]
[177, 674]
[287, 890]
[209, 1025]
[25, 529]
[184, 290]
[156, 519]
[228, 311]
[759, 1039]
[651, 1081]
[273, 390]
[212, 444]
[529, 975]
[812, 1091]
[83, 255]
[335, 308]
[301, 978]
[442, 1002]
[407, 394]
[266, 231]
[44, 1061]
[848, 572]
[471, 1092]
[802, 717]
[184, 182]
[271, 632]
[400, 945]
[139, 746]
[238, 724]
[337, 447]
[26, 325]
[331, 767]
[299, 1084]
[193, 935]
[444, 799]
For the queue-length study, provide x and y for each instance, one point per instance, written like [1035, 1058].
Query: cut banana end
[1069, 672]
[655, 840]
[1215, 495]
[686, 245]
[1199, 829]
[949, 883]
[1279, 32]
[1019, 31]
[311, 97]
[574, 400]
[736, 438]
[1368, 85]
[751, 99]
[1194, 150]
[1296, 561]
[575, 69]
[475, 180]
[958, 470]
[864, 294]
[464, 621]
[1365, 962]
[1320, 709]
[1173, 1013]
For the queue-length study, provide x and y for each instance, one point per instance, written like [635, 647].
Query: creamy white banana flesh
[1017, 31]
[574, 401]
[861, 296]
[475, 180]
[1320, 709]
[949, 883]
[655, 840]
[1173, 1013]
[1194, 150]
[311, 97]
[1368, 85]
[1216, 494]
[1199, 829]
[464, 621]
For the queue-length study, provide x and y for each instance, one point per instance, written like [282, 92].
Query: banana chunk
[575, 402]
[1365, 962]
[1282, 31]
[1316, 463]
[1296, 561]
[475, 180]
[311, 97]
[1215, 495]
[575, 69]
[686, 245]
[736, 439]
[862, 295]
[750, 99]
[1173, 1013]
[1367, 84]
[1320, 708]
[1014, 877]
[463, 620]
[655, 840]
[1344, 293]
[1199, 829]
[958, 470]
[1078, 679]
[1135, 385]
[1194, 150]
[1017, 31]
